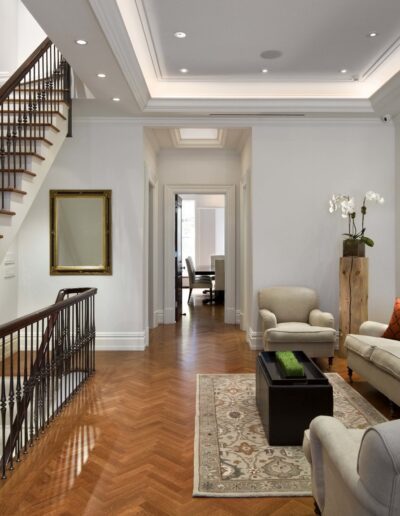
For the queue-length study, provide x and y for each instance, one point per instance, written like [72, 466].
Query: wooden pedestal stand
[353, 296]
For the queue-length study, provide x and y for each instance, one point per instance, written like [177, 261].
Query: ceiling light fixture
[372, 34]
[264, 70]
[101, 75]
[343, 70]
[116, 99]
[80, 42]
[180, 35]
[184, 70]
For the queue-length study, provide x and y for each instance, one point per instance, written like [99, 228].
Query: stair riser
[10, 200]
[37, 146]
[42, 107]
[11, 120]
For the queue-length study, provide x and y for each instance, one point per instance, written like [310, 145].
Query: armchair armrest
[372, 328]
[319, 318]
[330, 438]
[268, 319]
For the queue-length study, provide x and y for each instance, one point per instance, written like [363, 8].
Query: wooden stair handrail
[27, 320]
[20, 73]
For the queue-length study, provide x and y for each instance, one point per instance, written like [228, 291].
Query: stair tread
[35, 154]
[17, 171]
[45, 124]
[40, 138]
[38, 112]
[6, 212]
[15, 190]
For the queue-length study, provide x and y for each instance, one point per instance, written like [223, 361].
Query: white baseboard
[169, 316]
[254, 339]
[230, 314]
[119, 341]
[239, 316]
[158, 317]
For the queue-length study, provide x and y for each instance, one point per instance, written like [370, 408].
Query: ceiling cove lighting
[101, 75]
[80, 42]
[184, 70]
[116, 99]
[198, 134]
[180, 35]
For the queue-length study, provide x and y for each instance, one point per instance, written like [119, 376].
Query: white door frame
[169, 246]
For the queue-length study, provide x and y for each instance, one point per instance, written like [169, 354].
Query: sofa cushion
[362, 345]
[299, 332]
[393, 330]
[387, 357]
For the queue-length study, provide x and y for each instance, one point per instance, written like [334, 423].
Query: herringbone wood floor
[124, 445]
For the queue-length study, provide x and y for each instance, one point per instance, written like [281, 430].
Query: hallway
[125, 443]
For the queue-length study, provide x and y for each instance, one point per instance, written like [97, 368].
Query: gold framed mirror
[80, 232]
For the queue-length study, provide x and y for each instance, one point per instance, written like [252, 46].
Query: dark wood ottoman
[287, 406]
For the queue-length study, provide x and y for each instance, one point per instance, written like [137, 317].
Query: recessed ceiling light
[343, 70]
[372, 34]
[101, 75]
[81, 42]
[264, 70]
[184, 70]
[180, 35]
[116, 99]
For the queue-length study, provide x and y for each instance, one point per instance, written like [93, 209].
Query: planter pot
[353, 247]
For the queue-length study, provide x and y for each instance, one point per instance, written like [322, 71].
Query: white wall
[397, 194]
[9, 285]
[297, 165]
[245, 240]
[20, 34]
[99, 156]
[194, 167]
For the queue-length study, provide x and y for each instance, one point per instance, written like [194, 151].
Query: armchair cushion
[393, 330]
[288, 303]
[296, 332]
[319, 318]
[372, 328]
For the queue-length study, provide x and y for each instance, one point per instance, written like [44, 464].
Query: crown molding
[387, 99]
[260, 107]
[110, 20]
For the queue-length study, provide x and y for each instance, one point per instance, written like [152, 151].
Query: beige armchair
[292, 321]
[354, 472]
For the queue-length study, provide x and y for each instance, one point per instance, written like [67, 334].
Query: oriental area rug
[232, 457]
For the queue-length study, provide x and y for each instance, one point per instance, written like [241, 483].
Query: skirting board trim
[158, 317]
[119, 341]
[238, 317]
[254, 339]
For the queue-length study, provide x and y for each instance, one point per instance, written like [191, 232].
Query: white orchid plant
[346, 205]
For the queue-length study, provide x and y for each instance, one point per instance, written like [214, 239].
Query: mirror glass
[80, 232]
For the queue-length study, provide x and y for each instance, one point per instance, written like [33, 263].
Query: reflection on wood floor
[124, 445]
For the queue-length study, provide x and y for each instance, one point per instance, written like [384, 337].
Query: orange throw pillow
[393, 330]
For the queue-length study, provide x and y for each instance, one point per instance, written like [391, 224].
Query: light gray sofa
[375, 358]
[354, 472]
[292, 321]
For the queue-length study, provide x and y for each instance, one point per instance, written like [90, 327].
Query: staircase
[35, 118]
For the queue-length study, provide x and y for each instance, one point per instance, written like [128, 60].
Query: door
[178, 257]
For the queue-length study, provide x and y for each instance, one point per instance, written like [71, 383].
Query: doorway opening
[227, 245]
[203, 243]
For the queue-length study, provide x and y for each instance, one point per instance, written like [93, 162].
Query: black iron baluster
[11, 394]
[3, 406]
[25, 390]
[18, 390]
[31, 385]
